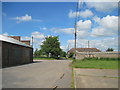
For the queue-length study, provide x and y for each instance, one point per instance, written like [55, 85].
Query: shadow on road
[23, 64]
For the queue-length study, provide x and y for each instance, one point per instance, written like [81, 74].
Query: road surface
[95, 78]
[41, 74]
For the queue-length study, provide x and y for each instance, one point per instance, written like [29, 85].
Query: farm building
[14, 52]
[82, 53]
[83, 50]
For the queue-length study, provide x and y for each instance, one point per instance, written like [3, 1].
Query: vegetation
[37, 53]
[72, 82]
[50, 49]
[70, 55]
[43, 58]
[102, 63]
[63, 54]
[110, 49]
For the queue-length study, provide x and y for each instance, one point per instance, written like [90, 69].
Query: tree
[51, 46]
[110, 49]
[63, 54]
[71, 55]
[36, 53]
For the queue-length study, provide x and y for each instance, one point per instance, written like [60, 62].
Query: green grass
[72, 82]
[103, 63]
[70, 59]
[43, 58]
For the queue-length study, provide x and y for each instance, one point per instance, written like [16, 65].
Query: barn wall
[0, 54]
[13, 54]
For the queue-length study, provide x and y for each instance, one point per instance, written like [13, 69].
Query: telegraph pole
[75, 34]
[75, 26]
[88, 44]
[32, 41]
[79, 4]
[88, 49]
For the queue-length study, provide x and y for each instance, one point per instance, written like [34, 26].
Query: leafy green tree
[71, 55]
[63, 54]
[51, 46]
[110, 49]
[36, 53]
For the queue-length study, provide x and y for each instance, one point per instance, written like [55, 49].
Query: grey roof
[84, 50]
[11, 40]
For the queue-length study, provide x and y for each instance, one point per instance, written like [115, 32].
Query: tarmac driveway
[41, 74]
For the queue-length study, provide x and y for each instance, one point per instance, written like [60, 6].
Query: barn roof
[11, 40]
[84, 50]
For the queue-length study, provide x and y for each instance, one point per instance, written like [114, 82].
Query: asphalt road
[41, 74]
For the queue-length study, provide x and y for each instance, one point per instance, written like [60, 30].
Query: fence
[82, 55]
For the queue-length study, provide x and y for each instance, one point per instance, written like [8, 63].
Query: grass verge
[102, 63]
[43, 58]
[72, 83]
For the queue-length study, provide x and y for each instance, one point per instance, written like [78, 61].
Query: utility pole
[67, 51]
[75, 34]
[88, 44]
[75, 26]
[32, 41]
[79, 4]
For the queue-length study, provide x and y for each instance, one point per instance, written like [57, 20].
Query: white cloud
[24, 19]
[72, 14]
[83, 14]
[107, 26]
[84, 25]
[82, 29]
[64, 48]
[101, 44]
[102, 6]
[5, 34]
[26, 38]
[101, 0]
[96, 19]
[109, 22]
[63, 30]
[44, 28]
[82, 34]
[86, 13]
[37, 39]
[102, 32]
[37, 35]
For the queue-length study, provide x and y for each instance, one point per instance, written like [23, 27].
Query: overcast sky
[98, 22]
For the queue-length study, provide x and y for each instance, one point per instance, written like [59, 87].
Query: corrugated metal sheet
[11, 40]
[14, 54]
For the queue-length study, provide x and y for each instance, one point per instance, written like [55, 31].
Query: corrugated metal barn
[14, 52]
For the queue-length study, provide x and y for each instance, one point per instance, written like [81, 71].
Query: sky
[98, 23]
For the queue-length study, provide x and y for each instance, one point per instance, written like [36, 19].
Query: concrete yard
[41, 74]
[95, 78]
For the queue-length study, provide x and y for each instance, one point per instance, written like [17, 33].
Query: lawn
[103, 63]
[43, 58]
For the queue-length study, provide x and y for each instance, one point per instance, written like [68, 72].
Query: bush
[71, 55]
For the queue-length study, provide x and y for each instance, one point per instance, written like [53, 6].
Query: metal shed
[14, 52]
